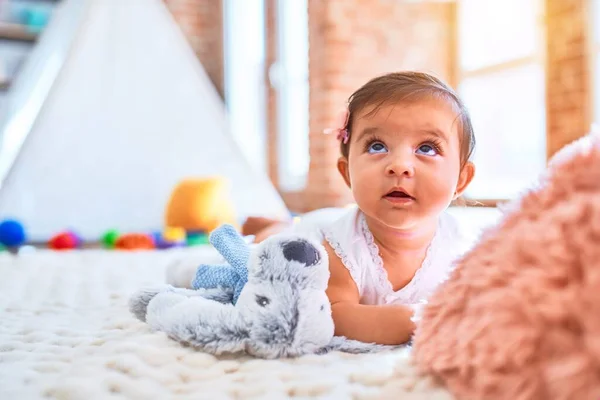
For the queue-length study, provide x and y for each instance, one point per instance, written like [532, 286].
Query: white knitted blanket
[66, 333]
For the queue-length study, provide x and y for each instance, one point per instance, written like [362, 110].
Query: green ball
[110, 238]
[196, 240]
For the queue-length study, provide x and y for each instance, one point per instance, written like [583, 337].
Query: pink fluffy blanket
[520, 316]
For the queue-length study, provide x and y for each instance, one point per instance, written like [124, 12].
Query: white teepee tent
[131, 114]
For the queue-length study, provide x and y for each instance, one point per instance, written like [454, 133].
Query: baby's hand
[417, 311]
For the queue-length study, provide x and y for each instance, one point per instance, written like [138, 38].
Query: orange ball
[134, 241]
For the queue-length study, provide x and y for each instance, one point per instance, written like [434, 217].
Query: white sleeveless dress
[346, 230]
[353, 242]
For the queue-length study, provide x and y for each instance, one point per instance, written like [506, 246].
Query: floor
[66, 333]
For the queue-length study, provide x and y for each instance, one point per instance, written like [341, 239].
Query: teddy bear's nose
[301, 251]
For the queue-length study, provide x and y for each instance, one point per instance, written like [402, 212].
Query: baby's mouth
[398, 194]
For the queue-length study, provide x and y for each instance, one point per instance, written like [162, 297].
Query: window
[244, 34]
[289, 77]
[502, 82]
[245, 80]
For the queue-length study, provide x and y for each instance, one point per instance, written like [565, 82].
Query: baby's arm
[386, 324]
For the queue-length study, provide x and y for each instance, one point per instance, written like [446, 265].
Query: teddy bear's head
[284, 300]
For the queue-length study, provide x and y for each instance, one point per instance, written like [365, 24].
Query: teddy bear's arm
[138, 303]
[204, 324]
[215, 276]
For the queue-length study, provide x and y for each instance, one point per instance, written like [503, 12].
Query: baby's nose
[400, 167]
[301, 251]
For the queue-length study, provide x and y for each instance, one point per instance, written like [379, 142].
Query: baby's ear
[344, 170]
[467, 173]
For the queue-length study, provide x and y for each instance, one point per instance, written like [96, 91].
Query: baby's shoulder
[456, 234]
[343, 231]
[344, 249]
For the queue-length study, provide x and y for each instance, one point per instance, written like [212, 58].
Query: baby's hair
[408, 86]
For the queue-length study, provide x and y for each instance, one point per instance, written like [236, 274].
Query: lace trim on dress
[346, 261]
[410, 291]
[383, 283]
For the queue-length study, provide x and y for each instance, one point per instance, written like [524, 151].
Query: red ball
[64, 241]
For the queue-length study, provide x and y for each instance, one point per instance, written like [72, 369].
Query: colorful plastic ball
[196, 233]
[174, 234]
[12, 233]
[78, 239]
[161, 243]
[135, 241]
[197, 239]
[110, 238]
[156, 237]
[64, 241]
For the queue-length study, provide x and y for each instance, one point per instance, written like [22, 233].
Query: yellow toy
[200, 205]
[174, 234]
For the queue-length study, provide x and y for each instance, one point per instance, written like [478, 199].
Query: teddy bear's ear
[299, 260]
[232, 247]
[302, 251]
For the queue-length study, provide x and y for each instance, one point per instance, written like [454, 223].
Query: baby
[406, 143]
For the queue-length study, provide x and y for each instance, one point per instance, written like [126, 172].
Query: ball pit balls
[64, 241]
[161, 243]
[110, 238]
[12, 233]
[135, 241]
[156, 237]
[197, 239]
[174, 234]
[170, 237]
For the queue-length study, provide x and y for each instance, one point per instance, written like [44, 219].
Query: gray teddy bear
[270, 303]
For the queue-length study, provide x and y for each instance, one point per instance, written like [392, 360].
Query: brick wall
[202, 23]
[271, 94]
[568, 71]
[347, 48]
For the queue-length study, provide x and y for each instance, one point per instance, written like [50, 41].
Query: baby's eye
[427, 150]
[377, 147]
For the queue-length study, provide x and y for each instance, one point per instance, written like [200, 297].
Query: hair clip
[341, 123]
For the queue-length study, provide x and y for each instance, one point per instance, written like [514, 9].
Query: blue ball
[12, 233]
[156, 237]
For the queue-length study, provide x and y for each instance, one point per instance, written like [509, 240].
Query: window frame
[281, 83]
[257, 157]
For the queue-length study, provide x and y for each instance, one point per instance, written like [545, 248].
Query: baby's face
[404, 162]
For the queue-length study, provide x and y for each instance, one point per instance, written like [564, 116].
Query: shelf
[10, 31]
